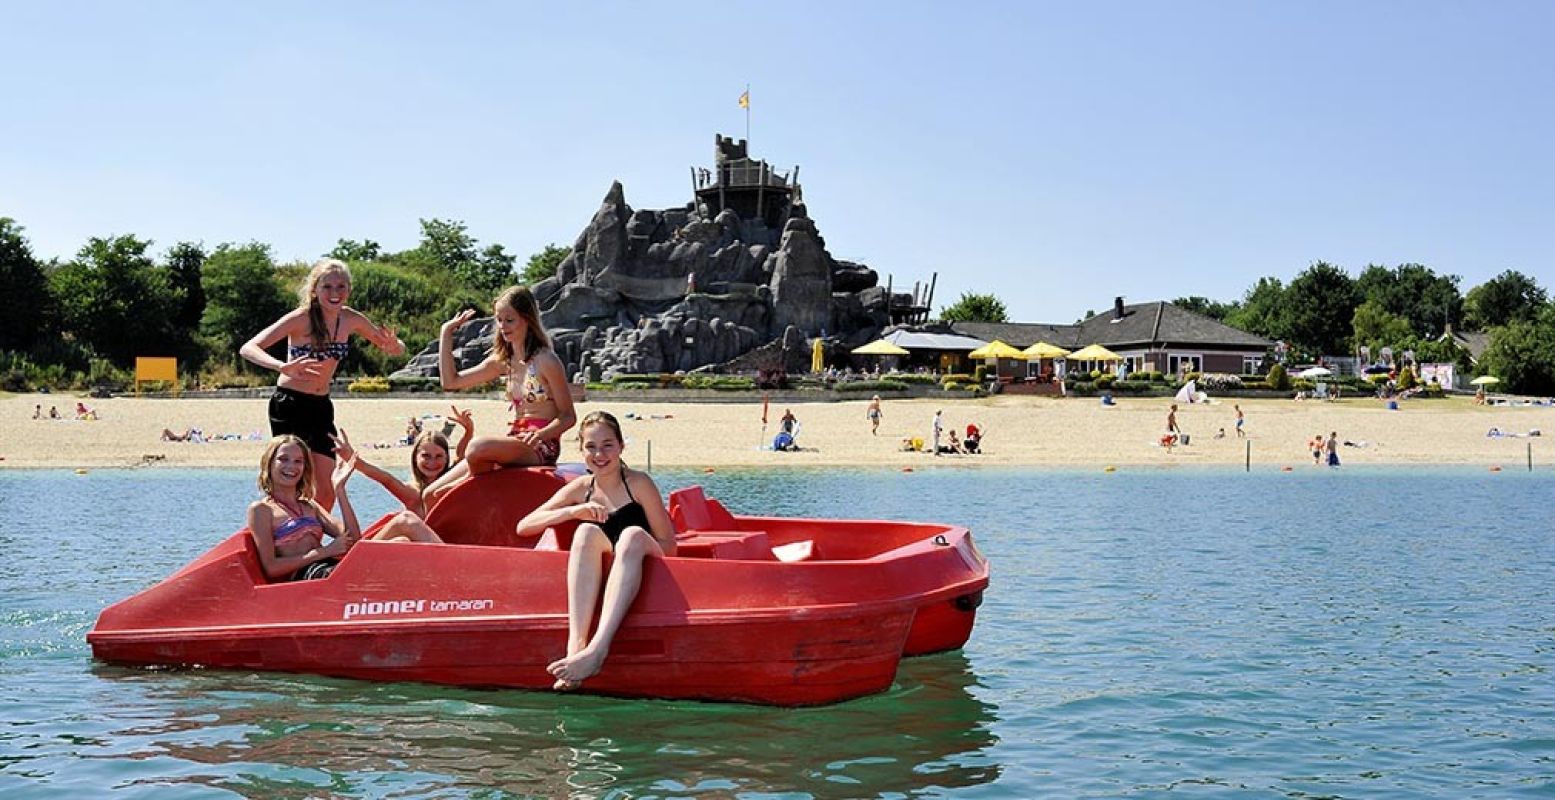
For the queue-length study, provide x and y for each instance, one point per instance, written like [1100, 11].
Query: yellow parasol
[1485, 380]
[995, 349]
[880, 347]
[1044, 350]
[1094, 352]
[817, 356]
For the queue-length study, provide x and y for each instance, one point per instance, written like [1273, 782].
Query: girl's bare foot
[573, 670]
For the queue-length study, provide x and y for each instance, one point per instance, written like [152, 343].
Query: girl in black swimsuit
[619, 511]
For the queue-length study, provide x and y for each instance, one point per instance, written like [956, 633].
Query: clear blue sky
[1055, 154]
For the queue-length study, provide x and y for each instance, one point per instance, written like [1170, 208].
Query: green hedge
[872, 386]
[910, 377]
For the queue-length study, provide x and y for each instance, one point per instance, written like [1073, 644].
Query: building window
[1250, 364]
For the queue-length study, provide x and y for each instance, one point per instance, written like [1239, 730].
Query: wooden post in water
[1530, 456]
[1249, 462]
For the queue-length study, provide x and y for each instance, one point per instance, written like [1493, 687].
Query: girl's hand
[302, 368]
[530, 437]
[343, 450]
[392, 344]
[465, 420]
[343, 469]
[589, 512]
[457, 322]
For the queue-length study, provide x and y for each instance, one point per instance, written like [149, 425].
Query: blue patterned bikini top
[331, 350]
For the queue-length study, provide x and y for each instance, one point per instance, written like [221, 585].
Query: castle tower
[747, 186]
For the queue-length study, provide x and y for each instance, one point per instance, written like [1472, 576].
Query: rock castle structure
[739, 267]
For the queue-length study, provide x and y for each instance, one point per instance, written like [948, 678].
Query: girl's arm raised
[448, 372]
[351, 531]
[408, 496]
[466, 422]
[382, 337]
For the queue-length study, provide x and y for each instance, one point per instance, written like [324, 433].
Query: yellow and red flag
[745, 99]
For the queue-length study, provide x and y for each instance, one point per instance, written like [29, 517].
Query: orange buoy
[1285, 469]
[708, 471]
[907, 469]
[1496, 468]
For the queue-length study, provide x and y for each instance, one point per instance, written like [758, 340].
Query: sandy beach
[1021, 431]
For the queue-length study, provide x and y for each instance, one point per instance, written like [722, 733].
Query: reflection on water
[280, 735]
[1343, 633]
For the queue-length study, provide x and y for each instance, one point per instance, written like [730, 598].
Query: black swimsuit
[629, 515]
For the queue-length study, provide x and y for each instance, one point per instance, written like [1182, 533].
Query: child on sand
[621, 513]
[317, 334]
[536, 385]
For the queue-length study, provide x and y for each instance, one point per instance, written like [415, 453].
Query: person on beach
[53, 412]
[37, 411]
[973, 442]
[620, 513]
[1316, 445]
[536, 385]
[430, 459]
[873, 414]
[789, 423]
[317, 334]
[938, 425]
[1171, 421]
[1239, 419]
[1332, 447]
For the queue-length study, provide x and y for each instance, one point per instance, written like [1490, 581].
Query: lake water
[1206, 633]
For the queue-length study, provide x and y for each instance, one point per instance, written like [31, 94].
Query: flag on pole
[745, 99]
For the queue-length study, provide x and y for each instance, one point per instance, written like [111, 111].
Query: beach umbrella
[1044, 350]
[1485, 380]
[1094, 352]
[995, 349]
[880, 347]
[817, 356]
[1315, 372]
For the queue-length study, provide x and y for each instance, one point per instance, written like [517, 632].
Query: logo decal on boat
[378, 608]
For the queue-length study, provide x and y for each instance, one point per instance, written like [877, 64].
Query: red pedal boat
[768, 610]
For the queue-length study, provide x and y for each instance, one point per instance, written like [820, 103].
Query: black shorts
[309, 417]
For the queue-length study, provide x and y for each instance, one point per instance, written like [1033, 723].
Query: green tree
[1506, 298]
[1262, 310]
[26, 307]
[1414, 292]
[351, 250]
[1320, 309]
[973, 307]
[116, 301]
[1213, 309]
[184, 262]
[447, 247]
[493, 270]
[412, 302]
[1376, 327]
[543, 264]
[1522, 354]
[242, 294]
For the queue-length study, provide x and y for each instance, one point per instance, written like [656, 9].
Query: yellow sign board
[149, 369]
